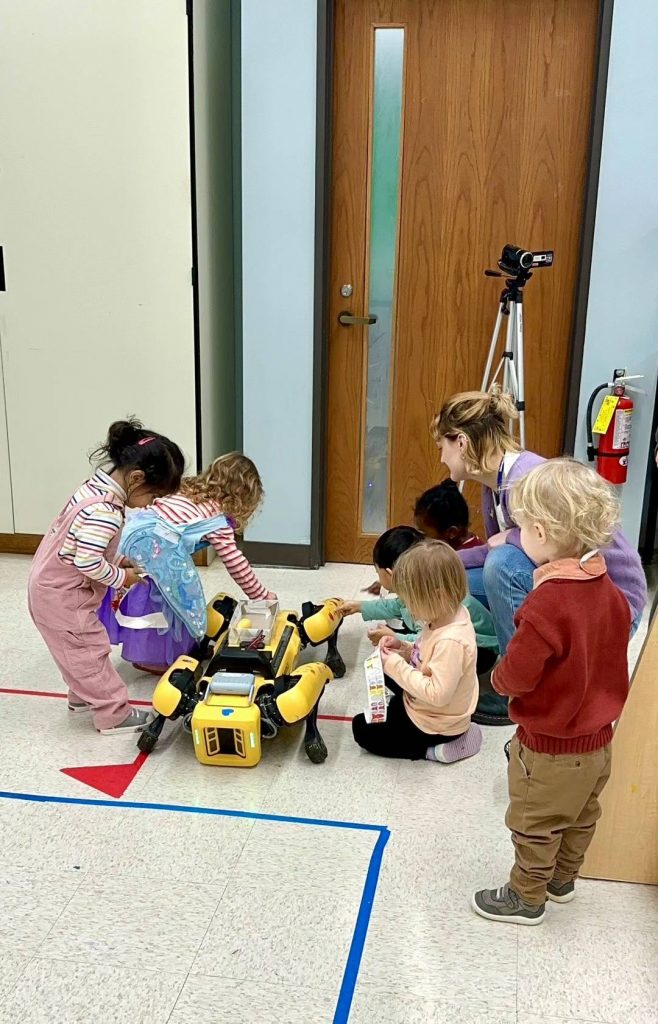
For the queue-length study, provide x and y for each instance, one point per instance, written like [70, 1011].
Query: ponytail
[130, 446]
[483, 418]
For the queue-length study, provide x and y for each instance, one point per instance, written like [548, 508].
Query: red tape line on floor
[137, 703]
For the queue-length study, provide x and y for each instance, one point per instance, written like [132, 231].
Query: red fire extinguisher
[613, 423]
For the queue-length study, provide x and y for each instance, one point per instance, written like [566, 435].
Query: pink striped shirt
[93, 528]
[177, 508]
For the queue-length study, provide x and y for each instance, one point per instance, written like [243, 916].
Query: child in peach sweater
[433, 681]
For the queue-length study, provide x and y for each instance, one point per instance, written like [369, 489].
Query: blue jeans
[503, 584]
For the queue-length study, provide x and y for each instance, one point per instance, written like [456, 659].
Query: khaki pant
[552, 815]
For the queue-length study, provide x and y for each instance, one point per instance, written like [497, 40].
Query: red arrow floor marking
[111, 779]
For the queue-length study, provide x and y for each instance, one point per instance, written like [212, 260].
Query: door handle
[347, 320]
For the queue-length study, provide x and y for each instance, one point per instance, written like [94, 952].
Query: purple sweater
[623, 562]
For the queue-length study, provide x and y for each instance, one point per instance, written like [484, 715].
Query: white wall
[278, 212]
[622, 316]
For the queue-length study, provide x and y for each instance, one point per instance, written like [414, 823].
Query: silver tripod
[511, 362]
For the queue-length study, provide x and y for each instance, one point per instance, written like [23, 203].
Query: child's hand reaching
[349, 608]
[132, 577]
[375, 589]
[376, 634]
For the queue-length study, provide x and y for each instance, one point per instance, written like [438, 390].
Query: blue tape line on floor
[348, 984]
[350, 974]
[38, 798]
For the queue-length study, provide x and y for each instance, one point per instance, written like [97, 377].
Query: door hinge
[188, 7]
[194, 276]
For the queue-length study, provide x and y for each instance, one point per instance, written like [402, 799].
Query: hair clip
[145, 440]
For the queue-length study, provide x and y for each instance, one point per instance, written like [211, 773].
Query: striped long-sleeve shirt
[177, 508]
[93, 528]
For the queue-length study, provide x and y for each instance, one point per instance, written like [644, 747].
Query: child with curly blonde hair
[566, 674]
[215, 504]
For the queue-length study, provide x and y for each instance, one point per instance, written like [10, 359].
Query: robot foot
[151, 734]
[334, 662]
[314, 745]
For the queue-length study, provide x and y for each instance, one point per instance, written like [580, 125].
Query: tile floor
[123, 915]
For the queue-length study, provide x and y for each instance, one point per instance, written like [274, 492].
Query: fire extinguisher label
[606, 412]
[622, 433]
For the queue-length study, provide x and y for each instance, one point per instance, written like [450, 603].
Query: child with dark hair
[208, 508]
[441, 513]
[75, 564]
[386, 552]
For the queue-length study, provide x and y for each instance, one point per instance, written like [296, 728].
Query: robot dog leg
[320, 622]
[176, 693]
[295, 698]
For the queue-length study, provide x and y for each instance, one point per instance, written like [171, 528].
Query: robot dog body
[244, 685]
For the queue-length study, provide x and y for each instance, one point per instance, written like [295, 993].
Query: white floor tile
[30, 904]
[297, 934]
[608, 973]
[381, 1005]
[135, 846]
[12, 968]
[157, 926]
[533, 1018]
[223, 1000]
[418, 950]
[69, 993]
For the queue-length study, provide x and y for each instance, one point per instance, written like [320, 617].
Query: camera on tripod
[515, 261]
[516, 265]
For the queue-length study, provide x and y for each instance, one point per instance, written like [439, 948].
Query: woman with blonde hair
[472, 431]
[208, 509]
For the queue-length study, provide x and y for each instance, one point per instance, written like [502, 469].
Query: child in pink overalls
[74, 566]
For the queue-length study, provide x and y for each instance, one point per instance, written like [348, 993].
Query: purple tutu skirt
[143, 646]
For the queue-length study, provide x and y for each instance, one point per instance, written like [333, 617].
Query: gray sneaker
[78, 706]
[135, 722]
[564, 893]
[505, 905]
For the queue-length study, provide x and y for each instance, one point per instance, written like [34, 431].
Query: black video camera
[515, 261]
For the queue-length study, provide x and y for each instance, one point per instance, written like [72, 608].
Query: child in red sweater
[566, 674]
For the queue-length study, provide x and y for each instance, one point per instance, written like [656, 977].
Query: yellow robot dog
[250, 686]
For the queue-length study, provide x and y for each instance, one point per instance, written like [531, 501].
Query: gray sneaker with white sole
[135, 722]
[506, 905]
[564, 893]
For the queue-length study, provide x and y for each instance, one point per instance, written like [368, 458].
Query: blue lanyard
[499, 481]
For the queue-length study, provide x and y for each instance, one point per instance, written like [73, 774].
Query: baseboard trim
[288, 556]
[19, 543]
[27, 544]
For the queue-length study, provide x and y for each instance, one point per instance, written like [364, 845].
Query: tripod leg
[486, 382]
[520, 400]
[508, 355]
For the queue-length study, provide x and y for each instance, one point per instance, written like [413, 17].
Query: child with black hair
[74, 566]
[387, 550]
[441, 513]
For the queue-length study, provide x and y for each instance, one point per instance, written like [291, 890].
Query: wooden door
[458, 126]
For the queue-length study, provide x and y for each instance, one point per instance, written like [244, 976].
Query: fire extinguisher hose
[591, 450]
